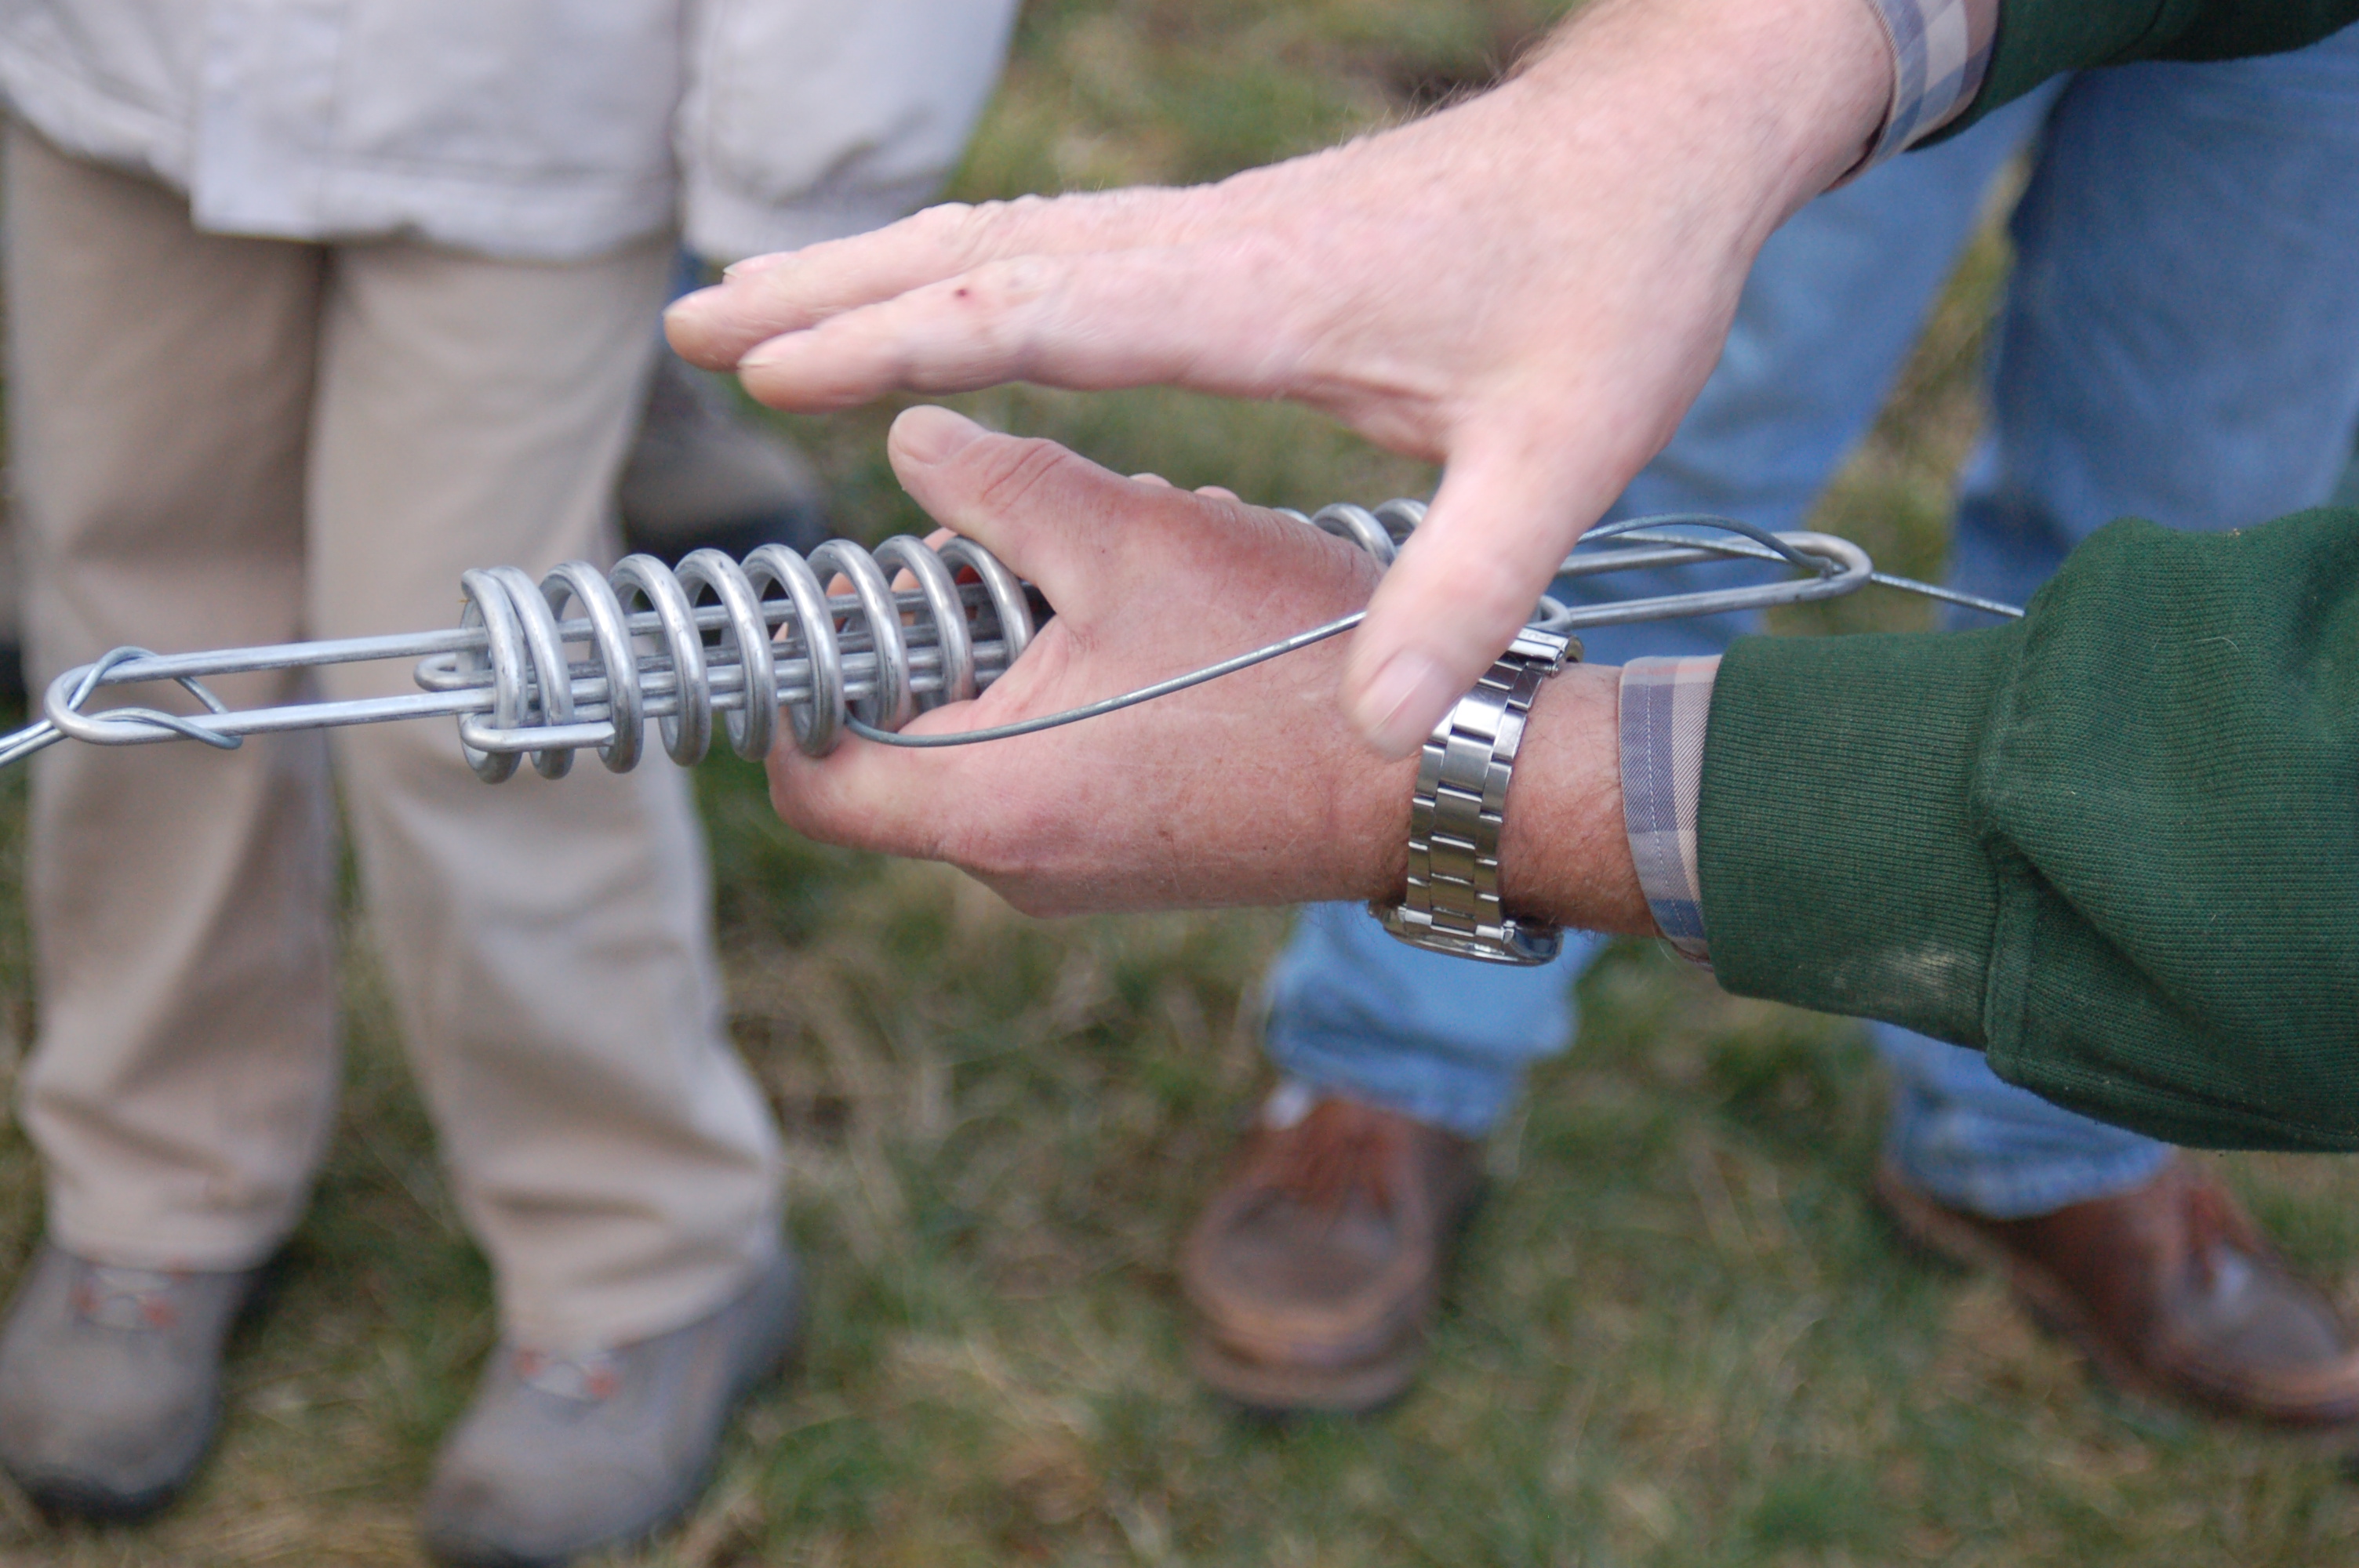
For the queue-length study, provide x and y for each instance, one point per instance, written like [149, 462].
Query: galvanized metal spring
[772, 638]
[586, 659]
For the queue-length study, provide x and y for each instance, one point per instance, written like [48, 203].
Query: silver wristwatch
[1454, 818]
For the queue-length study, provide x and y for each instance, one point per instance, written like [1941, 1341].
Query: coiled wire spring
[744, 641]
[874, 657]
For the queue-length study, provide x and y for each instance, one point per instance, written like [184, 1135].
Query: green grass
[1679, 1335]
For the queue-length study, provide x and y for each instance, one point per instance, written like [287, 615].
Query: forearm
[2117, 846]
[1769, 103]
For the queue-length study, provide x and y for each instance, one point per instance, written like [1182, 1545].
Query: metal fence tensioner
[743, 641]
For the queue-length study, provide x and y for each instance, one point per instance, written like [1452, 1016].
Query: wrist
[1778, 99]
[1564, 853]
[1457, 814]
[1376, 809]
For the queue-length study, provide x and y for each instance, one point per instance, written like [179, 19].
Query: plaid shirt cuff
[1940, 50]
[1665, 704]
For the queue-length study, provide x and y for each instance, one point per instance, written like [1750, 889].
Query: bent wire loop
[585, 659]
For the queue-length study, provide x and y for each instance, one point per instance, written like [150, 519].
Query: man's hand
[1530, 286]
[1250, 789]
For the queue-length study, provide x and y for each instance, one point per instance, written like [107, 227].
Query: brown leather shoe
[1316, 1269]
[2169, 1290]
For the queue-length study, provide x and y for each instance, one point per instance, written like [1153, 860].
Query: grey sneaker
[110, 1382]
[702, 473]
[563, 1454]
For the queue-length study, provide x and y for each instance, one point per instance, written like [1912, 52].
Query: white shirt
[542, 129]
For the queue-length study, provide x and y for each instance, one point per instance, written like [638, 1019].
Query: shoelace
[126, 1298]
[585, 1377]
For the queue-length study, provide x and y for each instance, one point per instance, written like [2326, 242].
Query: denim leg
[1440, 1039]
[2181, 343]
[2347, 489]
[2181, 339]
[1831, 310]
[1974, 1142]
[1837, 300]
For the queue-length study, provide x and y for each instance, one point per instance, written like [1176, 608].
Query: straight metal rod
[459, 640]
[657, 681]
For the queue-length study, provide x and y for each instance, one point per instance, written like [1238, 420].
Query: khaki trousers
[224, 441]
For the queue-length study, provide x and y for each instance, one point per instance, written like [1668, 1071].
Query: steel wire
[742, 641]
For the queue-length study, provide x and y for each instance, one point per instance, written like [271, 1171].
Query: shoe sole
[60, 1499]
[1271, 1393]
[1935, 1230]
[63, 1498]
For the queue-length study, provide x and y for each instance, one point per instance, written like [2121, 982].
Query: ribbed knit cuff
[1840, 863]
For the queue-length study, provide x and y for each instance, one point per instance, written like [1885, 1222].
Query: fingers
[1507, 512]
[762, 297]
[1090, 320]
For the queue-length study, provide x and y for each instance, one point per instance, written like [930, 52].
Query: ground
[1680, 1336]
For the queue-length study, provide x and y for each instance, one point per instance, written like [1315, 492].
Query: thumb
[1466, 583]
[1049, 514]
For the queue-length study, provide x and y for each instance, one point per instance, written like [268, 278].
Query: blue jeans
[2181, 341]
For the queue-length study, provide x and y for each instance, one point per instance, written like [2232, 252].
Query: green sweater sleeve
[2040, 38]
[2114, 844]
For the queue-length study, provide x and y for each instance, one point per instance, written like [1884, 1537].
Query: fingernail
[1400, 707]
[765, 353]
[931, 435]
[753, 265]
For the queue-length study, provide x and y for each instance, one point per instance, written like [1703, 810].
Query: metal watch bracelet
[1459, 809]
